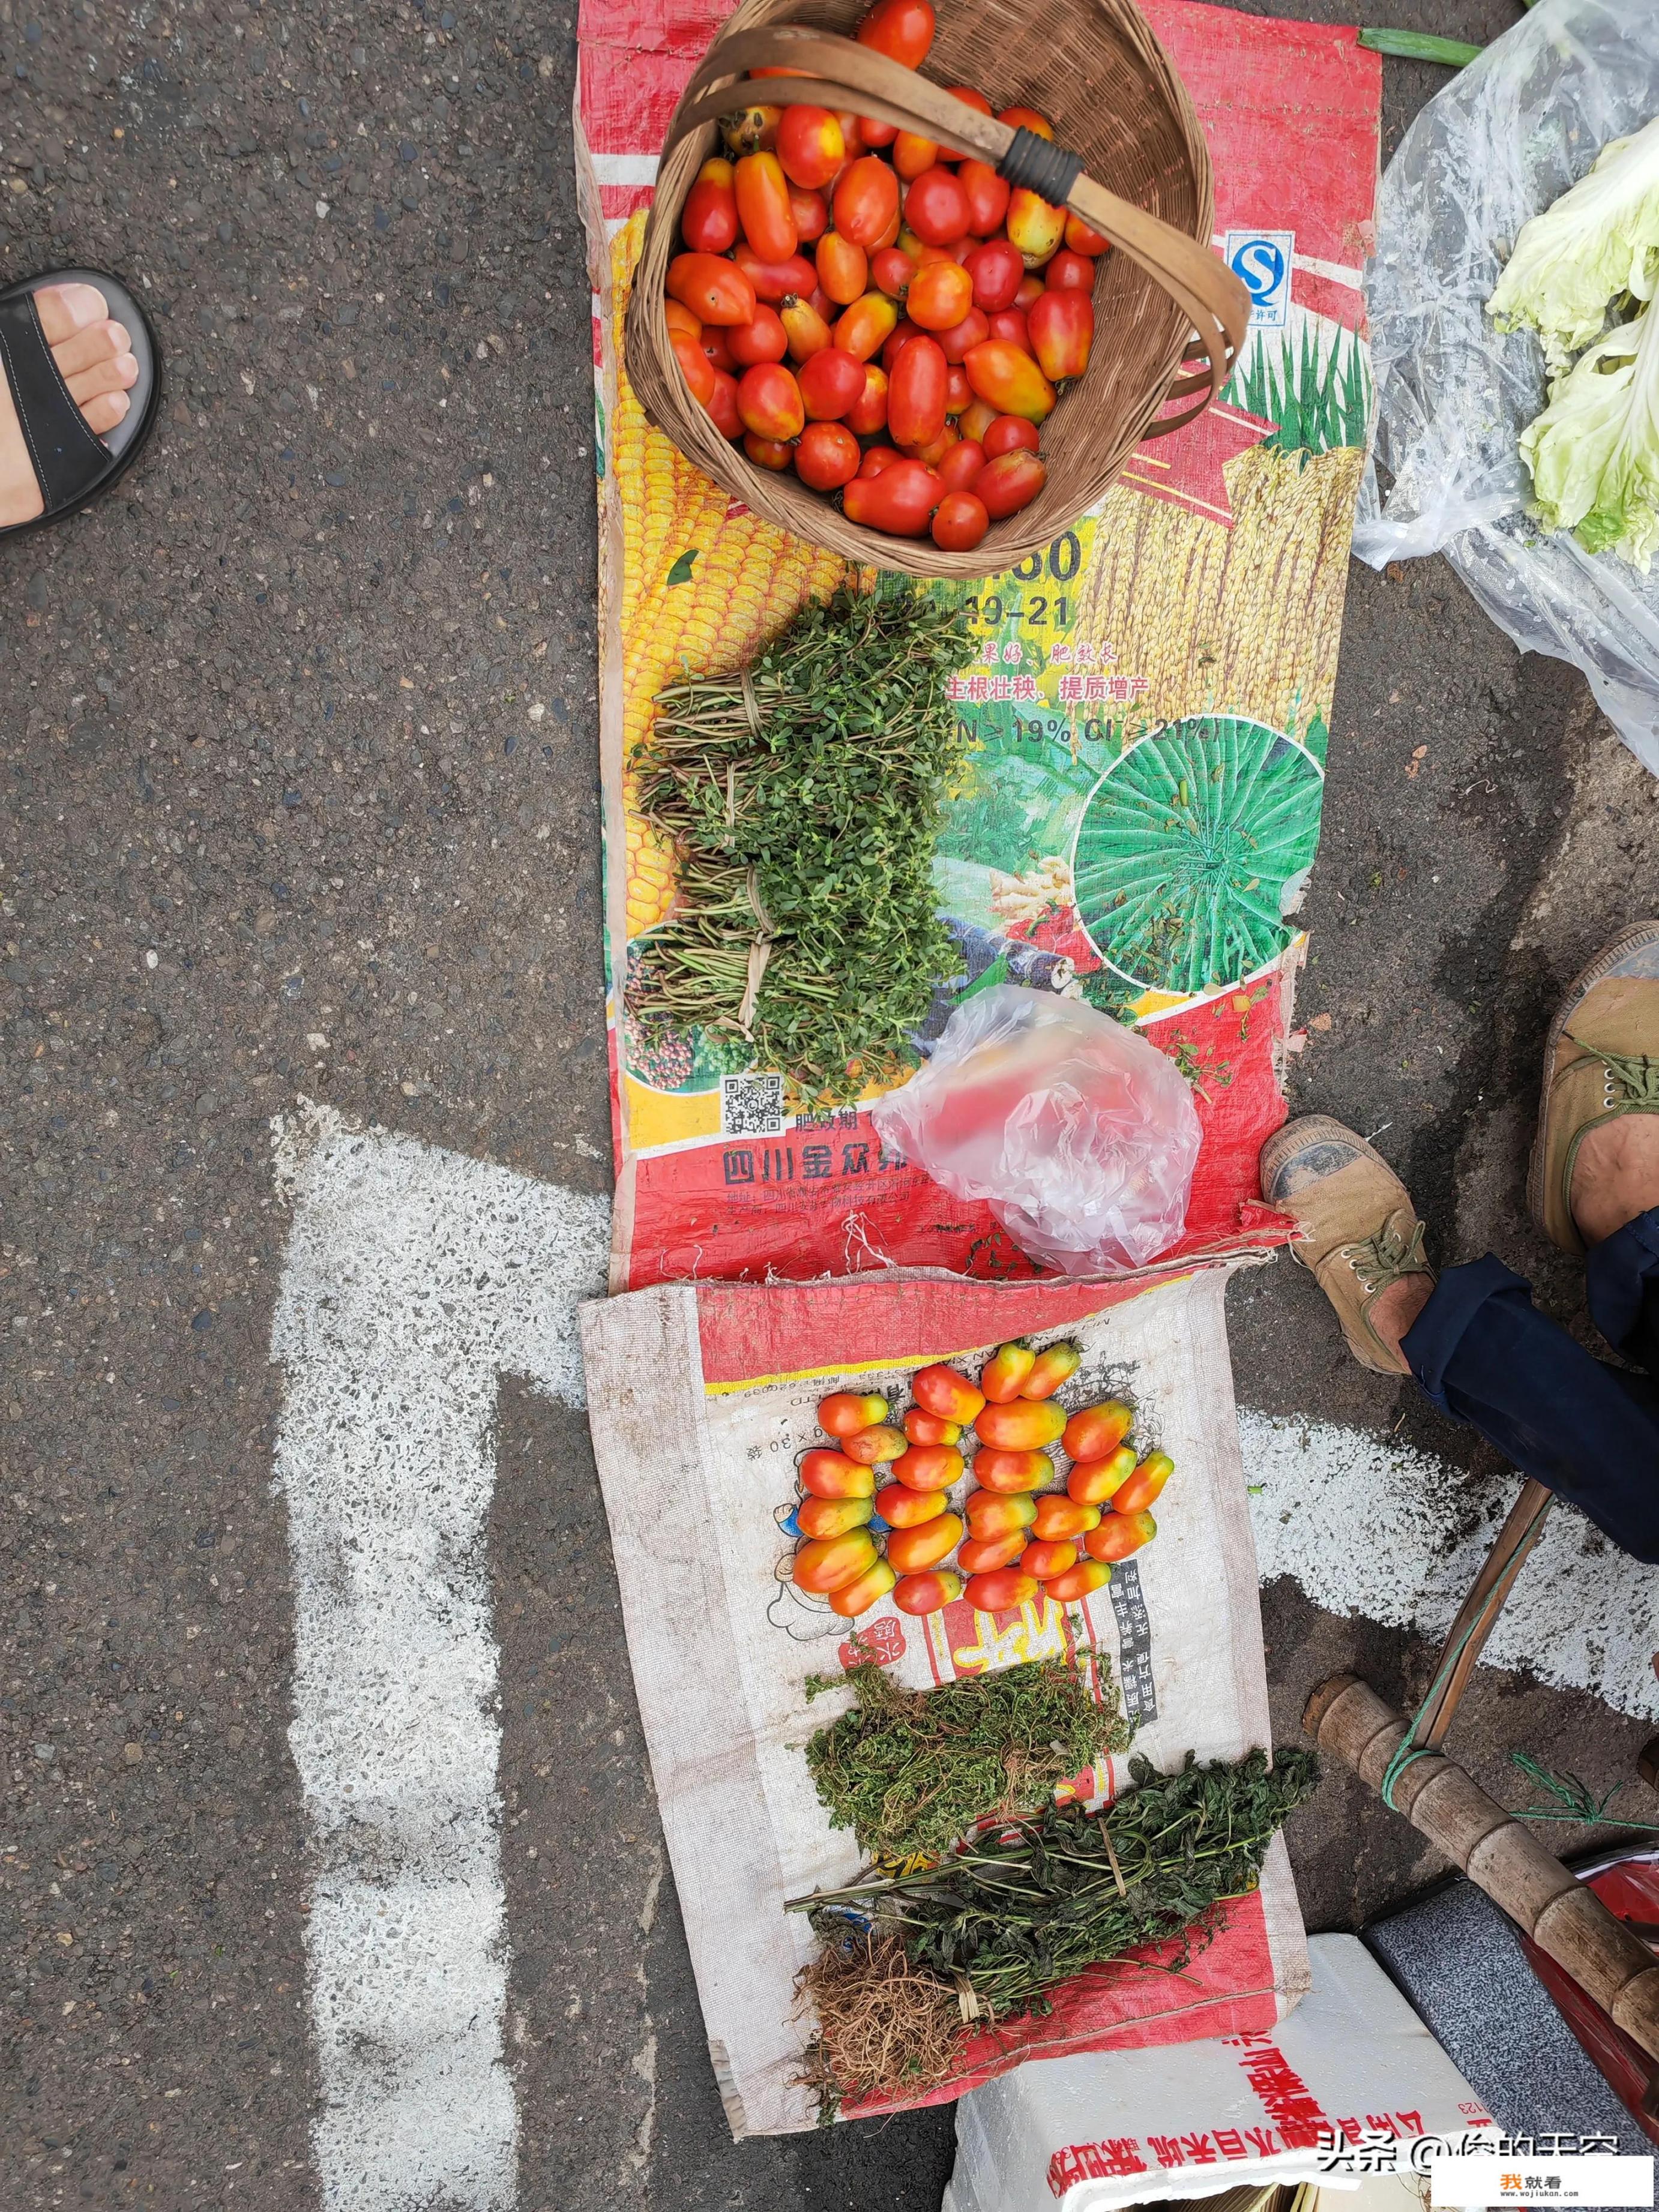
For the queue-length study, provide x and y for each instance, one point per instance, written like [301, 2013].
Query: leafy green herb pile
[1021, 1911]
[910, 1771]
[802, 795]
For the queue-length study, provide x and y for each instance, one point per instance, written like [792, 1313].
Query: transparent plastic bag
[1506, 138]
[1079, 1135]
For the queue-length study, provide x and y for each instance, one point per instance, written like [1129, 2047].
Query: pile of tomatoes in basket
[892, 323]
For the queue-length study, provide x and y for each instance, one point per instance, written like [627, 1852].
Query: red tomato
[1119, 1534]
[913, 1550]
[924, 1428]
[831, 382]
[1009, 434]
[960, 522]
[934, 451]
[843, 268]
[973, 422]
[827, 1562]
[1069, 272]
[696, 368]
[900, 499]
[936, 207]
[892, 270]
[1003, 1591]
[832, 1516]
[958, 470]
[969, 98]
[764, 339]
[996, 268]
[901, 1507]
[1062, 327]
[939, 295]
[722, 404]
[715, 290]
[1009, 482]
[868, 412]
[945, 1391]
[1014, 116]
[811, 213]
[876, 459]
[872, 133]
[1030, 288]
[1096, 1431]
[1035, 225]
[1082, 239]
[1011, 326]
[811, 147]
[1079, 1582]
[768, 400]
[866, 325]
[850, 1598]
[915, 394]
[866, 201]
[901, 29]
[771, 280]
[902, 335]
[762, 196]
[679, 317]
[826, 455]
[912, 155]
[769, 452]
[1045, 1560]
[715, 345]
[983, 1555]
[807, 331]
[708, 220]
[926, 1593]
[973, 330]
[832, 1474]
[987, 196]
[958, 392]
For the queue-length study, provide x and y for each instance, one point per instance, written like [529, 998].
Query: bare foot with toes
[94, 358]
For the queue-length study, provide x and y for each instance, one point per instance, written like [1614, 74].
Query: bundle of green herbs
[910, 1771]
[1026, 1907]
[802, 795]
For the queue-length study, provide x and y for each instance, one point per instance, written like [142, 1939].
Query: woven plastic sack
[1078, 1134]
[1504, 139]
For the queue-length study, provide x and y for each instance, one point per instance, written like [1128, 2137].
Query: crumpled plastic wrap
[1079, 1135]
[1506, 137]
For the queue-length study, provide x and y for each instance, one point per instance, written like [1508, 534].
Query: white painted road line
[1369, 1527]
[414, 1279]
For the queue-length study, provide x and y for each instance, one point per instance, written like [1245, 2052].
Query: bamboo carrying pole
[1562, 1916]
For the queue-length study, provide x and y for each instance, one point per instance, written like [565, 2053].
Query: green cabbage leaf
[1594, 453]
[1597, 242]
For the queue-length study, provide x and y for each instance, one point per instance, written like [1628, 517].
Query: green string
[1407, 1751]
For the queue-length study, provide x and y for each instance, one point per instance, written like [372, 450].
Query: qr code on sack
[751, 1105]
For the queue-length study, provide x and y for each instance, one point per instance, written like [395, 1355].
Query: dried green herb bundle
[911, 1771]
[1037, 1903]
[802, 795]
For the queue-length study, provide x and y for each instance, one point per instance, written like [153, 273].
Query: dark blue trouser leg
[1484, 1355]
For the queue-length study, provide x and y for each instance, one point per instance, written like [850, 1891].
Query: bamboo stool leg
[1564, 1917]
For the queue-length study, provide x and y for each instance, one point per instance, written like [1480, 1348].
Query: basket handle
[857, 77]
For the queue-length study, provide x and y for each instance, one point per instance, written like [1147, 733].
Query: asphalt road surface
[300, 800]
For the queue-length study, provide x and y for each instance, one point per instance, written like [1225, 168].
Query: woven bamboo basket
[1138, 170]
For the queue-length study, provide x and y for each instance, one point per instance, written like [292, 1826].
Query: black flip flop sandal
[72, 463]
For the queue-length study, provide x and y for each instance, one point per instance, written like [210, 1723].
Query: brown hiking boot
[1600, 1062]
[1358, 1229]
